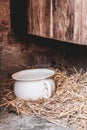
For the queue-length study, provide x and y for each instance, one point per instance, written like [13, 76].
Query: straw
[67, 106]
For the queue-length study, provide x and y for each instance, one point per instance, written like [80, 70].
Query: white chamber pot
[34, 84]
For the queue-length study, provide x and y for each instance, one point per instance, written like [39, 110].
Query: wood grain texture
[63, 19]
[84, 22]
[78, 22]
[39, 17]
[4, 14]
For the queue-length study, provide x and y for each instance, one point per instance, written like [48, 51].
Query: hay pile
[67, 106]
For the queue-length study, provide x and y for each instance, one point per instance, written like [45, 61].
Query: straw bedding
[67, 106]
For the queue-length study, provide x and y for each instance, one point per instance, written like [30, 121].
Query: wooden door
[64, 20]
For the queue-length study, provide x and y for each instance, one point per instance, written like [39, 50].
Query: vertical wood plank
[70, 19]
[84, 22]
[78, 21]
[39, 17]
[63, 19]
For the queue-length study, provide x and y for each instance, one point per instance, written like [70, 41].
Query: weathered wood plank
[84, 22]
[4, 15]
[70, 18]
[39, 17]
[78, 21]
[63, 19]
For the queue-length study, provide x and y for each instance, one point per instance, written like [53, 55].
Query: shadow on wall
[70, 49]
[18, 14]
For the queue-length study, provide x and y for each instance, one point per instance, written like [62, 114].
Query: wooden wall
[64, 20]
